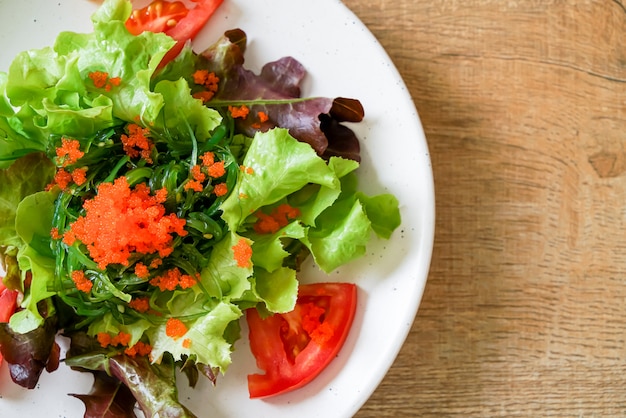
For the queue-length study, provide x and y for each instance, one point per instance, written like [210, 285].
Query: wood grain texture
[524, 107]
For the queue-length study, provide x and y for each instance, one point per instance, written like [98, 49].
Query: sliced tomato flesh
[293, 348]
[8, 304]
[158, 16]
[174, 19]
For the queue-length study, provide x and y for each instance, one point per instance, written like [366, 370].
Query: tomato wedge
[8, 304]
[174, 19]
[295, 347]
[157, 16]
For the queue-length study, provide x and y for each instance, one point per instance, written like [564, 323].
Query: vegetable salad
[148, 200]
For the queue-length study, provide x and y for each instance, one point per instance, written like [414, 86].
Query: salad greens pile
[85, 161]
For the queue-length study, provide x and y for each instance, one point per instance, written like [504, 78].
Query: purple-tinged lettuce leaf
[29, 354]
[109, 398]
[153, 386]
[316, 121]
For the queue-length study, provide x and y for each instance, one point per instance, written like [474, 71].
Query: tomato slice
[174, 19]
[8, 304]
[295, 347]
[158, 16]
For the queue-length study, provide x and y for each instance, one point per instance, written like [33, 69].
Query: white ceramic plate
[343, 59]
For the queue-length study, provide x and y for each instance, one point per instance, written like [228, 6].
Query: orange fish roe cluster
[101, 80]
[198, 177]
[319, 331]
[278, 218]
[172, 279]
[139, 349]
[216, 170]
[62, 178]
[106, 339]
[119, 222]
[140, 304]
[262, 118]
[141, 270]
[199, 173]
[187, 342]
[81, 282]
[247, 170]
[194, 185]
[54, 233]
[69, 152]
[239, 112]
[136, 143]
[220, 189]
[209, 81]
[242, 253]
[207, 158]
[175, 328]
[79, 176]
[196, 172]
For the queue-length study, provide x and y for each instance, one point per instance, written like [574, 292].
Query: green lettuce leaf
[26, 176]
[341, 235]
[205, 339]
[278, 289]
[51, 92]
[281, 166]
[223, 278]
[33, 223]
[181, 106]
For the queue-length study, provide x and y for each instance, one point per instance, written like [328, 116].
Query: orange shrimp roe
[319, 331]
[194, 185]
[106, 339]
[140, 304]
[172, 279]
[79, 176]
[217, 169]
[220, 189]
[54, 233]
[62, 178]
[81, 282]
[141, 270]
[119, 222]
[99, 78]
[205, 96]
[239, 112]
[242, 252]
[247, 170]
[262, 117]
[139, 349]
[136, 143]
[208, 158]
[207, 79]
[69, 152]
[197, 174]
[175, 328]
[278, 218]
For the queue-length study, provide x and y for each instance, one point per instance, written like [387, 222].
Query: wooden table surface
[524, 108]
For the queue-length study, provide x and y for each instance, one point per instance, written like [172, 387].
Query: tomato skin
[160, 15]
[289, 357]
[8, 304]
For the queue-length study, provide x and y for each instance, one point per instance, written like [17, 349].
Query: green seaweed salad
[145, 206]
